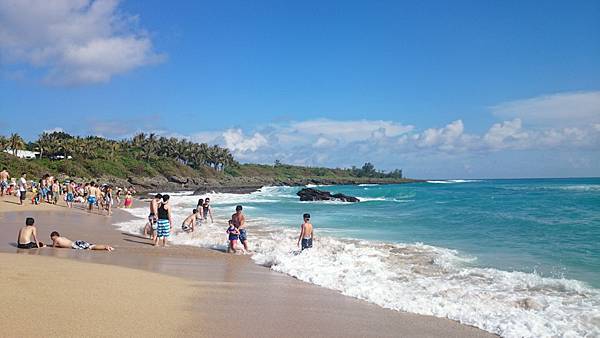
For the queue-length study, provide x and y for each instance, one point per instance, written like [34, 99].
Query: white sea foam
[368, 185]
[415, 277]
[453, 181]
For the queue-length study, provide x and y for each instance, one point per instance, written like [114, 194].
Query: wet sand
[228, 295]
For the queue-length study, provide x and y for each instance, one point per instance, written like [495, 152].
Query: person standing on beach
[70, 194]
[4, 177]
[306, 233]
[55, 192]
[152, 217]
[239, 221]
[91, 196]
[165, 220]
[22, 188]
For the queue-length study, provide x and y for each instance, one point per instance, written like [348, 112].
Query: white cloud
[506, 134]
[73, 41]
[352, 130]
[558, 110]
[239, 143]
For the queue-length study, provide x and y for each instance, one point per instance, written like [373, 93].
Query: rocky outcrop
[310, 194]
[178, 180]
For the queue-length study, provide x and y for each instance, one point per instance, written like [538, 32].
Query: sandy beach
[206, 292]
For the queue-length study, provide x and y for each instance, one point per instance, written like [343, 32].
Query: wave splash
[411, 277]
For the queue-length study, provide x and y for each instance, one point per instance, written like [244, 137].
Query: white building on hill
[26, 154]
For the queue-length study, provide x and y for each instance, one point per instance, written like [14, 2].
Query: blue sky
[441, 89]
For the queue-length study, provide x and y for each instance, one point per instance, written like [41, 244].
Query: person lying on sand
[189, 223]
[26, 233]
[63, 242]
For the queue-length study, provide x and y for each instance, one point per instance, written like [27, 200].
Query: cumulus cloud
[331, 143]
[558, 110]
[73, 41]
[239, 143]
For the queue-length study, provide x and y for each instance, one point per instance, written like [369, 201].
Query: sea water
[520, 258]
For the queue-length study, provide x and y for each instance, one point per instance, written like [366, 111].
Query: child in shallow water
[234, 234]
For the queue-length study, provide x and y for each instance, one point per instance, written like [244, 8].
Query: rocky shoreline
[234, 185]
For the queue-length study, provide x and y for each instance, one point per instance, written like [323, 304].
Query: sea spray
[405, 276]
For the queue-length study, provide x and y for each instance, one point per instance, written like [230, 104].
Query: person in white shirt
[22, 188]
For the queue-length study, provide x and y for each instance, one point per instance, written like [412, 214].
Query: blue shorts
[70, 197]
[233, 237]
[92, 200]
[243, 235]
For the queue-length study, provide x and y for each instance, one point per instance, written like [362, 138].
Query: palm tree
[3, 143]
[114, 148]
[16, 142]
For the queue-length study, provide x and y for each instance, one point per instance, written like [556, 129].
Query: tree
[16, 142]
[3, 143]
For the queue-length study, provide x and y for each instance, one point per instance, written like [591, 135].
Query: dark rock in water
[310, 194]
[179, 180]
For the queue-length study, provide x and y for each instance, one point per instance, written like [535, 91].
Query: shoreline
[230, 281]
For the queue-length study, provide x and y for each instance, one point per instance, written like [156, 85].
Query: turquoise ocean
[520, 258]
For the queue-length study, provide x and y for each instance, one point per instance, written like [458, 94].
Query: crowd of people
[48, 189]
[93, 196]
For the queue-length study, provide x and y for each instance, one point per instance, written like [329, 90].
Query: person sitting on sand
[26, 233]
[234, 234]
[306, 233]
[63, 242]
[190, 221]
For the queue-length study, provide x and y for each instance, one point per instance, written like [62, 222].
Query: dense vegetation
[149, 155]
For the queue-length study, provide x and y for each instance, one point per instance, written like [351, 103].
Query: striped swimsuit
[163, 228]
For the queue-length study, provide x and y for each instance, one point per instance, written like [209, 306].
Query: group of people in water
[48, 189]
[160, 221]
[103, 197]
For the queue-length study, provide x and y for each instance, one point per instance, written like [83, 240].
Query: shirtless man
[4, 177]
[189, 223]
[306, 233]
[150, 228]
[63, 242]
[26, 233]
[91, 199]
[239, 221]
[70, 194]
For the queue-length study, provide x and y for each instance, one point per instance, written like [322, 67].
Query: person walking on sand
[306, 233]
[55, 192]
[63, 242]
[239, 221]
[4, 177]
[163, 229]
[26, 233]
[22, 188]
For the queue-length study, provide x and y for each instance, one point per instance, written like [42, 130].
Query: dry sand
[44, 296]
[230, 296]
